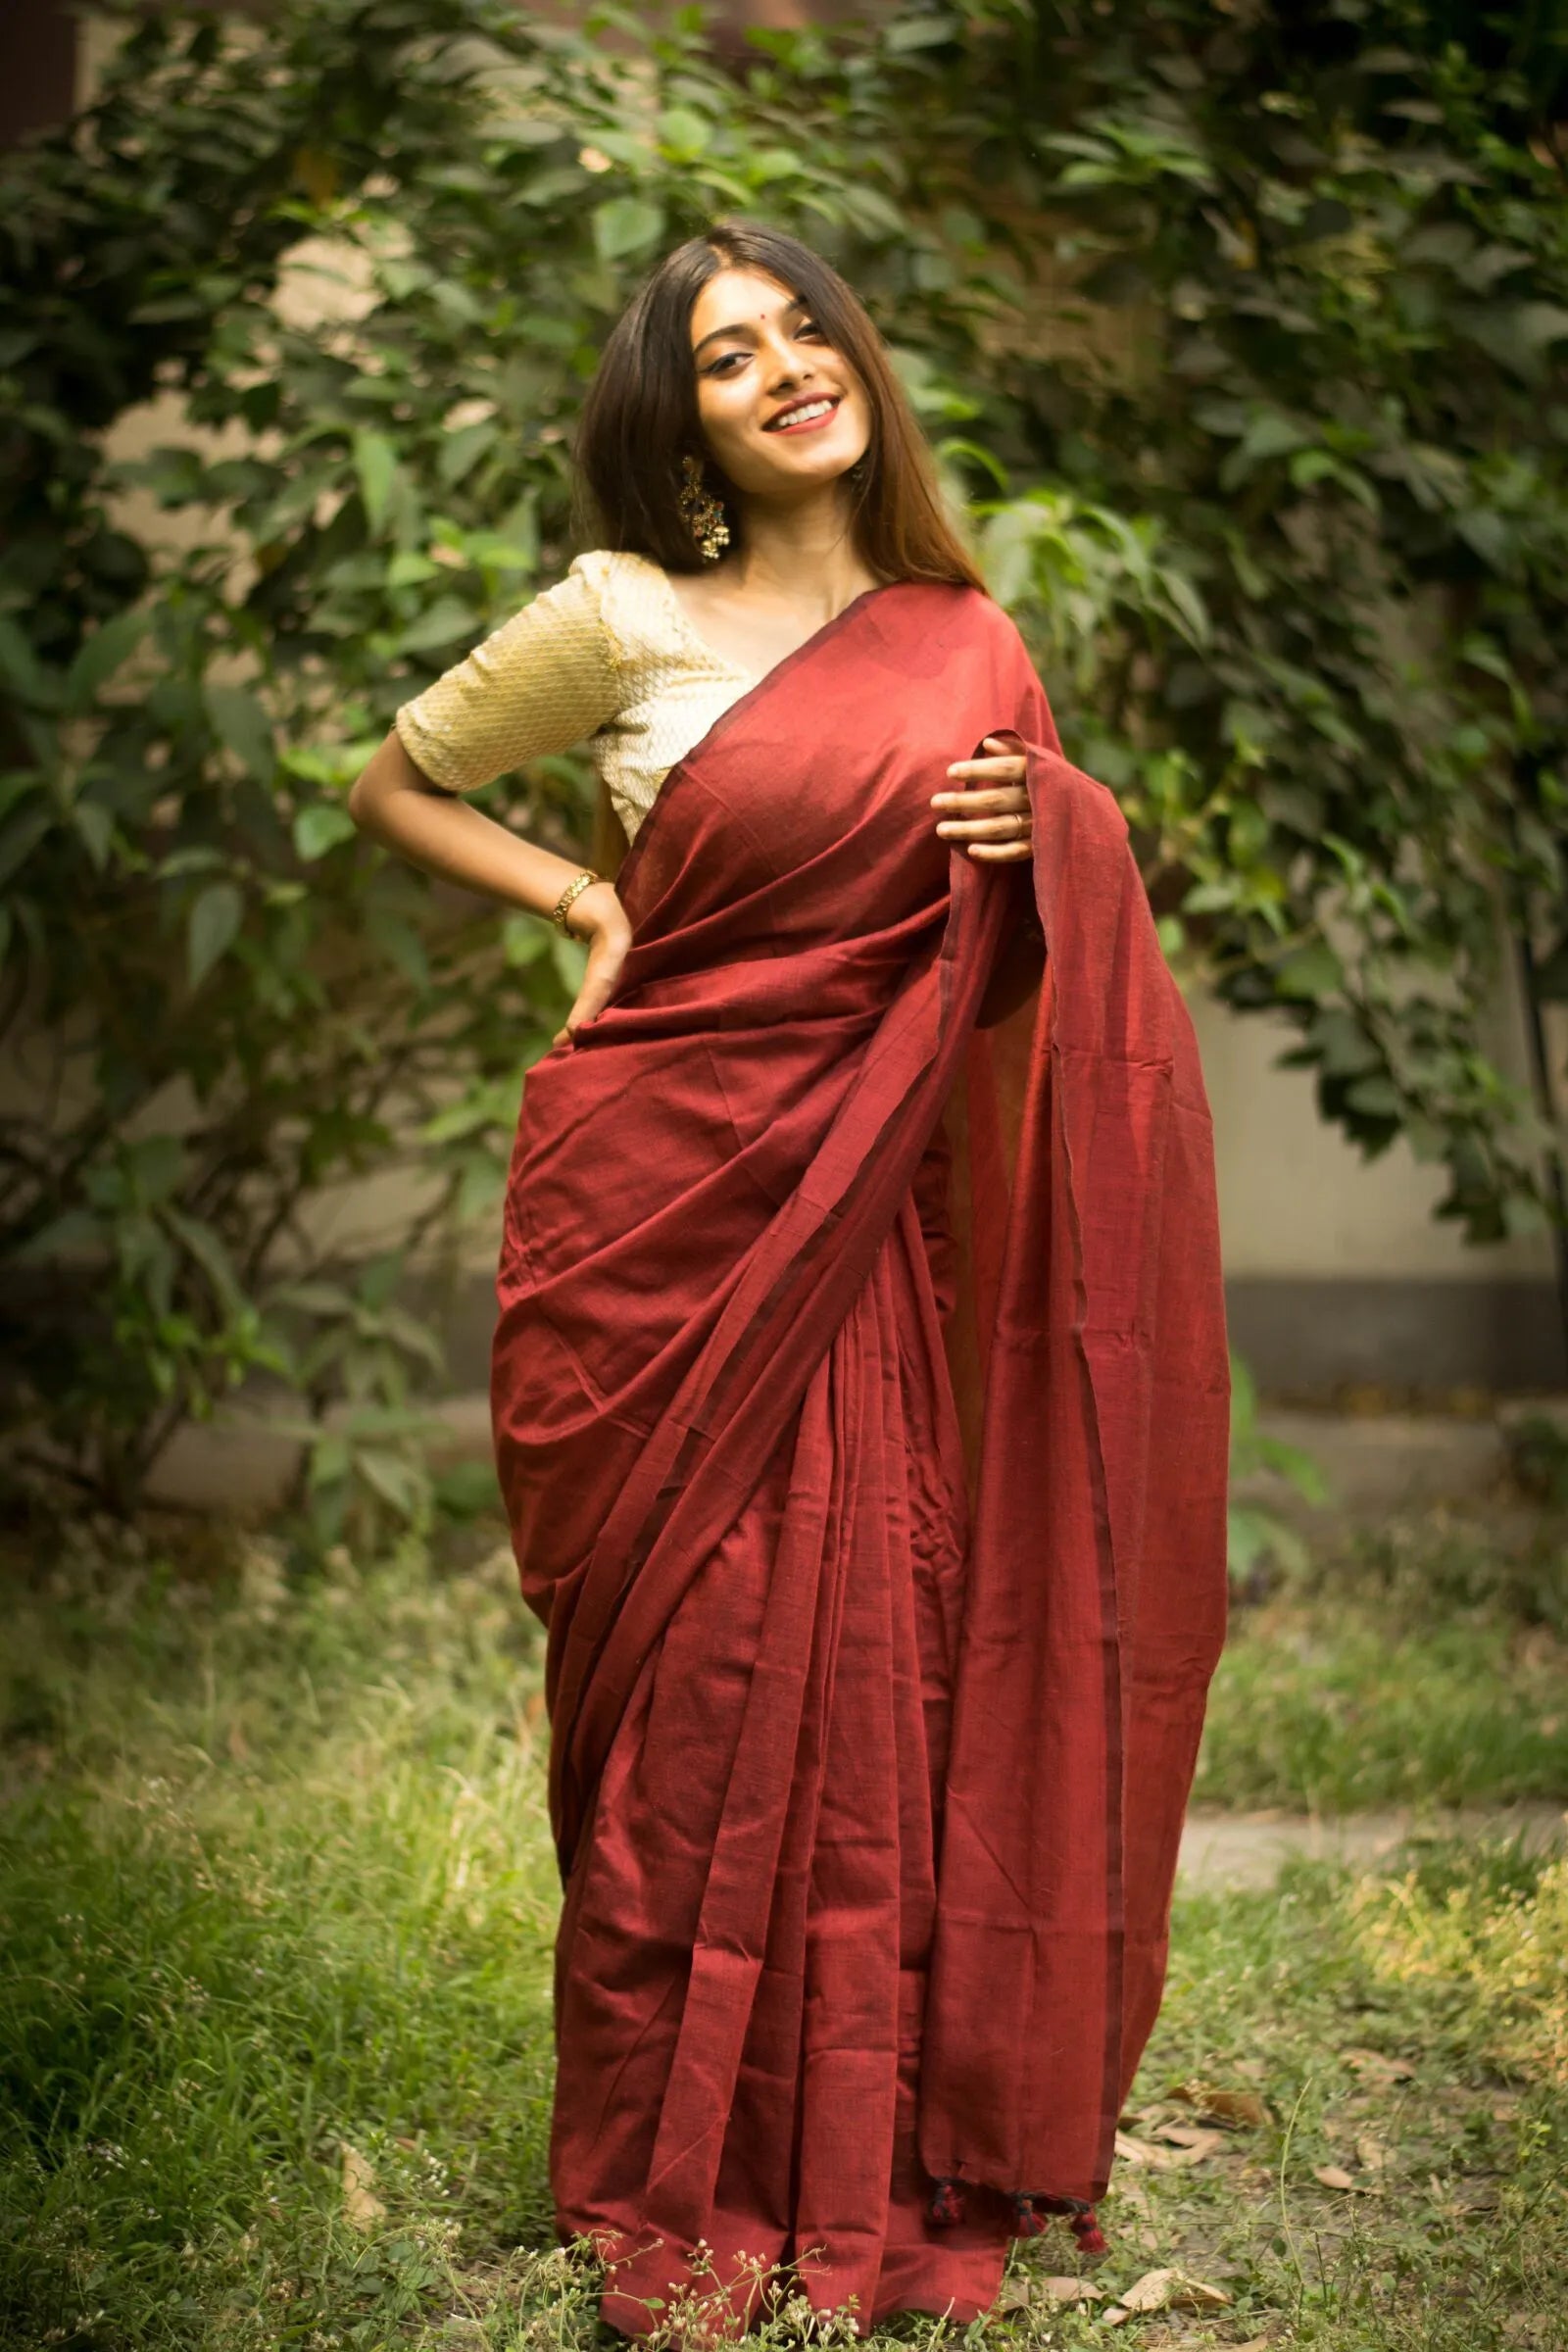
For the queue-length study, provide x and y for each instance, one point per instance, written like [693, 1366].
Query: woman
[859, 1382]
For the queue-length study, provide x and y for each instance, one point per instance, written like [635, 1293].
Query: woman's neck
[804, 556]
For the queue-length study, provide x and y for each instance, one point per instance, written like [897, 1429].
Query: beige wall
[1297, 1200]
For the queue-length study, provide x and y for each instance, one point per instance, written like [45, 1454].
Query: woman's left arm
[995, 826]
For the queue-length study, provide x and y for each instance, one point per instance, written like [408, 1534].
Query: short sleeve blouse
[606, 657]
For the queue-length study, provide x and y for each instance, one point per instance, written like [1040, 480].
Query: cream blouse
[607, 655]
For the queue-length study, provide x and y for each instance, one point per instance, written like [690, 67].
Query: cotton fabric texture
[860, 1394]
[607, 654]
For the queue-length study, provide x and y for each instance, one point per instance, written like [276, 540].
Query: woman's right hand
[597, 916]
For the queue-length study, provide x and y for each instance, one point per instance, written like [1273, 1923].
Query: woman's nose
[784, 367]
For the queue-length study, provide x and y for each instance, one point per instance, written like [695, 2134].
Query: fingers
[996, 771]
[598, 986]
[999, 853]
[1007, 800]
[986, 828]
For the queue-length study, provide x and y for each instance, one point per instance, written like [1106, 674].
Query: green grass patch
[1426, 1664]
[278, 1898]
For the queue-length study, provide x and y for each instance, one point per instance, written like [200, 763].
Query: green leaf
[525, 938]
[95, 829]
[376, 462]
[21, 833]
[69, 1235]
[440, 625]
[242, 727]
[402, 1484]
[321, 827]
[460, 450]
[1536, 324]
[106, 651]
[902, 35]
[1343, 1046]
[1375, 1098]
[626, 225]
[401, 944]
[466, 1491]
[1310, 971]
[215, 922]
[684, 131]
[207, 1248]
[21, 673]
[410, 570]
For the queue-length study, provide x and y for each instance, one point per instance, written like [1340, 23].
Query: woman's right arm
[542, 683]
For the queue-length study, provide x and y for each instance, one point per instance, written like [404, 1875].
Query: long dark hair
[640, 417]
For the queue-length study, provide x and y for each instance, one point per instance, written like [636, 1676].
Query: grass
[277, 1902]
[1425, 1664]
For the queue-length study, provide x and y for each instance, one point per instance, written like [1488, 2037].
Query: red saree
[861, 1423]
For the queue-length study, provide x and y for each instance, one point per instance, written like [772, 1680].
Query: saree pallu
[860, 1398]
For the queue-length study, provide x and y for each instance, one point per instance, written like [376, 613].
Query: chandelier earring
[702, 513]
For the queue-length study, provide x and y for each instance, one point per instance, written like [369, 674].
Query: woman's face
[781, 411]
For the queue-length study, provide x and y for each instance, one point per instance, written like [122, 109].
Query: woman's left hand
[995, 825]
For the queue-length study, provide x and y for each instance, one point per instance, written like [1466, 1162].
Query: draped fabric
[860, 1398]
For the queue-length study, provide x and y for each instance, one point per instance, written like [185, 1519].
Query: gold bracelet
[571, 895]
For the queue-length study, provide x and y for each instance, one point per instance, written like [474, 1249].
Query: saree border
[718, 727]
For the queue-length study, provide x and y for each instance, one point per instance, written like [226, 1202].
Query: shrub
[1291, 549]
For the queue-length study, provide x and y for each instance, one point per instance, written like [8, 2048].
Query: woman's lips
[808, 424]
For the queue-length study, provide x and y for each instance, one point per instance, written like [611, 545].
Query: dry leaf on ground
[1235, 2107]
[1171, 2291]
[1191, 2145]
[1335, 2175]
[361, 2207]
[1371, 2153]
[1192, 2142]
[1071, 2290]
[1025, 2294]
[1377, 2066]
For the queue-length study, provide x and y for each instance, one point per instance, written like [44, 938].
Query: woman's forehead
[739, 297]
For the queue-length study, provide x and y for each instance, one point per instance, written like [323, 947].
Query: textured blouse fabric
[608, 655]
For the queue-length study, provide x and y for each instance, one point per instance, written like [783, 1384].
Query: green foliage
[1260, 1466]
[1299, 557]
[1242, 328]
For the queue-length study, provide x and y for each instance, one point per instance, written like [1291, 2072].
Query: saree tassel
[1027, 2219]
[1085, 2229]
[946, 2208]
[1032, 2212]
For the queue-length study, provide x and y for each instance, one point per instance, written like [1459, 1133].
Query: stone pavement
[1222, 1851]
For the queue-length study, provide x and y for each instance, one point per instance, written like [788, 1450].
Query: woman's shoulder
[995, 625]
[972, 614]
[633, 600]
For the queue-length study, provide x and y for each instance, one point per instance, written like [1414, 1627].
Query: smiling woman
[721, 350]
[859, 1377]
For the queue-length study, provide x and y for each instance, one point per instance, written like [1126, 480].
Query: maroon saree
[860, 1402]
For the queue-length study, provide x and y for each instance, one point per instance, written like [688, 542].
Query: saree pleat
[776, 2033]
[832, 1367]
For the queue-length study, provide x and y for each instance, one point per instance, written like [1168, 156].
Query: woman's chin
[822, 471]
